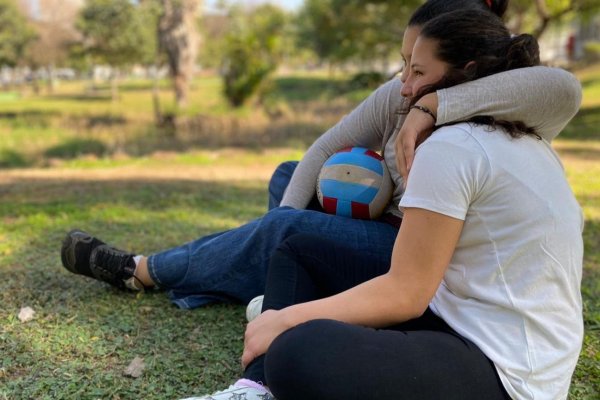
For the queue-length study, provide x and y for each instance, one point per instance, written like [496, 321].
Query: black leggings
[323, 359]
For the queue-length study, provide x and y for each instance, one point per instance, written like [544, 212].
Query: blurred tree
[253, 50]
[214, 28]
[55, 28]
[354, 30]
[15, 34]
[179, 40]
[114, 34]
[535, 16]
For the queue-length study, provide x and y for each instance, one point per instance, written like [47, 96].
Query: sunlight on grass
[76, 159]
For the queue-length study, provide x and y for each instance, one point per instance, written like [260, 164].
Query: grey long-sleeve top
[542, 97]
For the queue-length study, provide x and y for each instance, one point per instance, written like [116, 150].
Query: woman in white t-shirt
[482, 299]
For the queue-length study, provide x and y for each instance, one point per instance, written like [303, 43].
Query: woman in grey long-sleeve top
[232, 265]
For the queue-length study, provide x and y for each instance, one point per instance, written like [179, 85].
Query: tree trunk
[545, 17]
[158, 118]
[114, 85]
[179, 39]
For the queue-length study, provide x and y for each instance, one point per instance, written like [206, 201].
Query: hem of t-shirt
[412, 202]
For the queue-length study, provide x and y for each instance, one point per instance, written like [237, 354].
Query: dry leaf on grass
[26, 314]
[135, 368]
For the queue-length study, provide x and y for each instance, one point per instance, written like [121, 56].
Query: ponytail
[523, 51]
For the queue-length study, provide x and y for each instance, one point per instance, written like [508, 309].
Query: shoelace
[113, 260]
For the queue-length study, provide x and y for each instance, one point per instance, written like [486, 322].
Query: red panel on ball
[330, 205]
[360, 210]
[373, 154]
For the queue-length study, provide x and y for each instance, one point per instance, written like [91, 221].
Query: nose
[404, 74]
[406, 88]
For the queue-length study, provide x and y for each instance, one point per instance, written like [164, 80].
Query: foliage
[367, 80]
[339, 30]
[115, 33]
[149, 198]
[592, 51]
[253, 49]
[536, 16]
[15, 34]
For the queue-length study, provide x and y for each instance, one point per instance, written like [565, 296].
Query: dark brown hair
[433, 8]
[476, 44]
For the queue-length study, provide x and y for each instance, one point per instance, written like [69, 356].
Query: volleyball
[355, 182]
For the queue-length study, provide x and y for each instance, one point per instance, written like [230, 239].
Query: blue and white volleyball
[355, 183]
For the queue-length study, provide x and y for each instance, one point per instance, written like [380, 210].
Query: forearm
[364, 127]
[541, 97]
[405, 291]
[378, 302]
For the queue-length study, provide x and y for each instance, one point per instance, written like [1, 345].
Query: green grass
[76, 159]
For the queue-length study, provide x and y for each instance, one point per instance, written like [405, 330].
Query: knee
[299, 244]
[292, 362]
[280, 180]
[285, 169]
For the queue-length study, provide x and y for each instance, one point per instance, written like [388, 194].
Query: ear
[470, 66]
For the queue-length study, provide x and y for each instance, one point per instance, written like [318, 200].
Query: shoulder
[463, 135]
[462, 145]
[390, 91]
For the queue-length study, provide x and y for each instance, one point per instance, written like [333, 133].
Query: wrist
[294, 315]
[425, 110]
[430, 101]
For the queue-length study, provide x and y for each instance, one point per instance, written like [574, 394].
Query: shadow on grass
[302, 89]
[92, 97]
[85, 333]
[77, 147]
[585, 125]
[56, 196]
[12, 159]
[105, 120]
[28, 118]
[585, 83]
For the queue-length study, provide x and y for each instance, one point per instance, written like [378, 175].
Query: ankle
[141, 273]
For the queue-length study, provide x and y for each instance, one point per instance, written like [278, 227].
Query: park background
[154, 122]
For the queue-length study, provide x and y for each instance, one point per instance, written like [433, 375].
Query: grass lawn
[75, 159]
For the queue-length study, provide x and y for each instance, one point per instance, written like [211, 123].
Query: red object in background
[571, 46]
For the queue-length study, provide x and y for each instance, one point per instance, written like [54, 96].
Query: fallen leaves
[135, 368]
[26, 314]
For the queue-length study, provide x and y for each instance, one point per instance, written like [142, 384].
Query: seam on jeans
[152, 272]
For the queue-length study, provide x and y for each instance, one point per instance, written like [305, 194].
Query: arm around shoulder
[544, 98]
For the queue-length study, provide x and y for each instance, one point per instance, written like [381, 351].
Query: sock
[134, 283]
[136, 260]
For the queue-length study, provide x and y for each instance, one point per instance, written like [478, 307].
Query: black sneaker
[87, 255]
[112, 265]
[76, 250]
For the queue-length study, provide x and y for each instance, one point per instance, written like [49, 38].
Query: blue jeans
[231, 266]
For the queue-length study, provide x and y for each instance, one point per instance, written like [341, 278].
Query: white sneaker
[254, 308]
[239, 391]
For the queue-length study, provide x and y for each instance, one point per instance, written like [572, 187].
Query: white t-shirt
[513, 284]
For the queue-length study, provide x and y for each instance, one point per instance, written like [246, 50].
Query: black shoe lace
[115, 261]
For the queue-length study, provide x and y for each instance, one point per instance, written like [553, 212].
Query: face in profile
[424, 68]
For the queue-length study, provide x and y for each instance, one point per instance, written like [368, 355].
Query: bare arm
[417, 269]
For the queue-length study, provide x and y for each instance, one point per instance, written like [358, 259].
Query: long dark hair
[476, 44]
